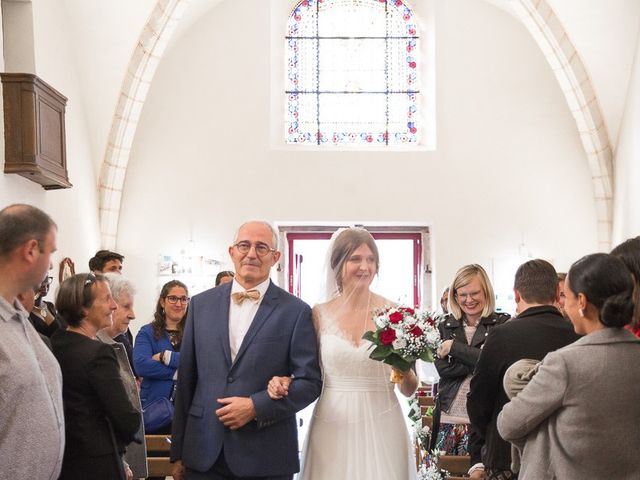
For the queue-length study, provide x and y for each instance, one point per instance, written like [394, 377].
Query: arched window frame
[305, 105]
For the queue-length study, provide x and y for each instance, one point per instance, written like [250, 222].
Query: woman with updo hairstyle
[100, 419]
[578, 417]
[629, 252]
[156, 353]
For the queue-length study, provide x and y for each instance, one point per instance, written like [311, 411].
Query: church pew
[455, 464]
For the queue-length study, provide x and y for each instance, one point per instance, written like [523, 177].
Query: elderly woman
[123, 293]
[578, 416]
[156, 353]
[100, 419]
[463, 331]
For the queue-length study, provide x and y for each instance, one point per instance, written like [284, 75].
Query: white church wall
[508, 179]
[627, 167]
[74, 210]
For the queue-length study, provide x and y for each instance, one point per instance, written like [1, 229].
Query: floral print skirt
[453, 439]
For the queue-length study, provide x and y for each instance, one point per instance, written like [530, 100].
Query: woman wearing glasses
[100, 419]
[463, 331]
[156, 353]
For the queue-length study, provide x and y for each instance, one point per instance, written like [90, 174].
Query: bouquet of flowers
[403, 335]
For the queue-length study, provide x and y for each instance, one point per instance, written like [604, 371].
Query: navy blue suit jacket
[280, 341]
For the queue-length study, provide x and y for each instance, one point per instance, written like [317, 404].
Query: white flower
[380, 321]
[433, 336]
[399, 343]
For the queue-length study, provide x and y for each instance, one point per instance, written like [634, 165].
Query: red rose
[387, 336]
[410, 311]
[395, 317]
[416, 331]
[430, 321]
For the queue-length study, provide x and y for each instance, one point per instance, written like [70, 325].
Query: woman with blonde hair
[463, 331]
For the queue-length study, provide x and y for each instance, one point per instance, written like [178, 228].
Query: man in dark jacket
[538, 329]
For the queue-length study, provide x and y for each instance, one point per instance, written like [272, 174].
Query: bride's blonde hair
[345, 244]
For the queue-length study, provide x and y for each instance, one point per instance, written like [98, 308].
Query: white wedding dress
[357, 431]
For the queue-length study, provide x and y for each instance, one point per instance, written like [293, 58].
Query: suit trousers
[221, 471]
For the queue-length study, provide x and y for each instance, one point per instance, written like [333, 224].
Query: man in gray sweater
[31, 413]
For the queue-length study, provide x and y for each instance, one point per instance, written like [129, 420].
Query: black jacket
[460, 363]
[534, 333]
[96, 404]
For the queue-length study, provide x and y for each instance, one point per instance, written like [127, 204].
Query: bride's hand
[278, 387]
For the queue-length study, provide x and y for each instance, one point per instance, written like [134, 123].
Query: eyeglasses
[463, 297]
[172, 299]
[261, 248]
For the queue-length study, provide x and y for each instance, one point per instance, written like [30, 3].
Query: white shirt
[241, 316]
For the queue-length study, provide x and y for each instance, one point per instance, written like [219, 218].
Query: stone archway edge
[135, 87]
[537, 16]
[568, 68]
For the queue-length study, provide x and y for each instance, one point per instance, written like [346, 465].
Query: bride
[357, 430]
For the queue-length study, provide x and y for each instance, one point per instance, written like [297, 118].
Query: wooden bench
[426, 401]
[427, 422]
[455, 464]
[158, 448]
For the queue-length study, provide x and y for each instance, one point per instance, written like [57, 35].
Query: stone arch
[537, 16]
[548, 32]
[142, 67]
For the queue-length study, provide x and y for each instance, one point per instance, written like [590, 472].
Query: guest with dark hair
[105, 261]
[27, 299]
[101, 419]
[224, 276]
[577, 418]
[156, 353]
[538, 329]
[44, 316]
[629, 252]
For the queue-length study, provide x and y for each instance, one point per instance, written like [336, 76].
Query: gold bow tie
[240, 297]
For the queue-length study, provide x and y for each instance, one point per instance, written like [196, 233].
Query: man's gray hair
[119, 285]
[274, 232]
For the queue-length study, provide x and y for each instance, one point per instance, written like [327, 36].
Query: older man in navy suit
[237, 337]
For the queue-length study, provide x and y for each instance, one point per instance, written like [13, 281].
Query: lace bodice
[344, 360]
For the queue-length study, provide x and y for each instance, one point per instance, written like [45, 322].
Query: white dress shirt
[241, 316]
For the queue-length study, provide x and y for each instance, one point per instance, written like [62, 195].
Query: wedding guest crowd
[538, 329]
[550, 393]
[577, 418]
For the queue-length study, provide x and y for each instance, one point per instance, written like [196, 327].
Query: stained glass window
[352, 73]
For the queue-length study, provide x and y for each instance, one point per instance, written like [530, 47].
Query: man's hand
[236, 412]
[128, 473]
[177, 472]
[445, 348]
[278, 387]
